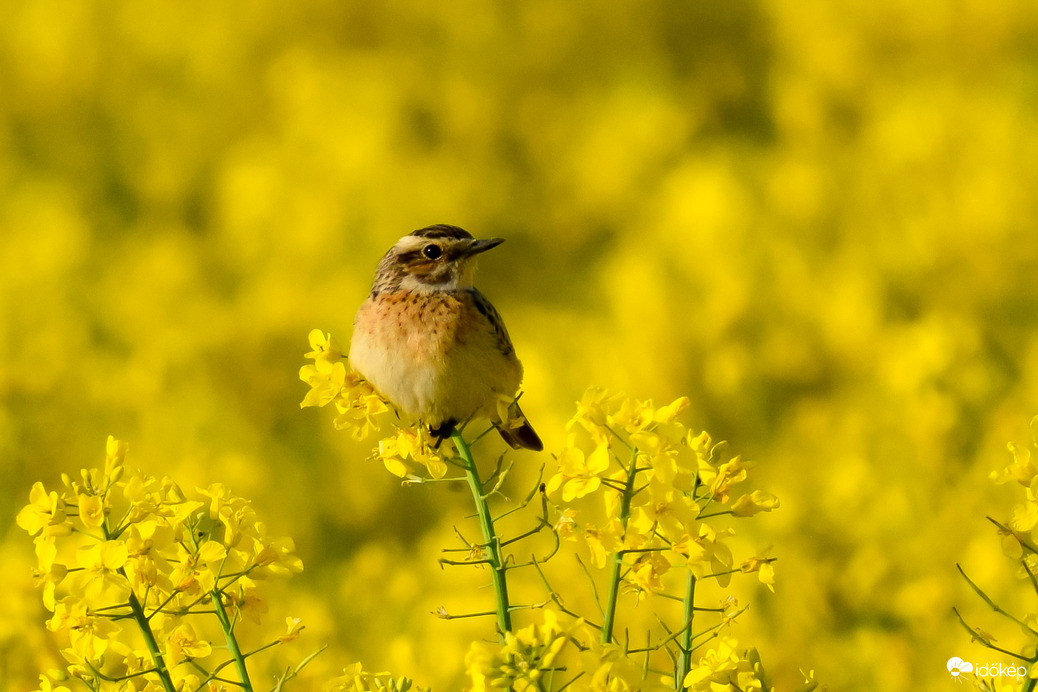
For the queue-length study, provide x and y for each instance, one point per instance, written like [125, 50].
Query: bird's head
[437, 258]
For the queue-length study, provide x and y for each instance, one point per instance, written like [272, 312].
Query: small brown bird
[429, 342]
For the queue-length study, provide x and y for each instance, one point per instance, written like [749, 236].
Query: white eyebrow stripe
[409, 242]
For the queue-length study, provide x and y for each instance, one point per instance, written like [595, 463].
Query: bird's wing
[484, 307]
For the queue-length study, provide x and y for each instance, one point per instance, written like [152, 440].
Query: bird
[430, 343]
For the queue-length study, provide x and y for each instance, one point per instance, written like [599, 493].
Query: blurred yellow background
[817, 219]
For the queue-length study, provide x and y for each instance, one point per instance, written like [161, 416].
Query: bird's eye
[432, 251]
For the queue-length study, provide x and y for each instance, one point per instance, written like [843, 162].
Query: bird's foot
[442, 431]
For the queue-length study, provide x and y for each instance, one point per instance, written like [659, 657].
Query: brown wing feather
[480, 302]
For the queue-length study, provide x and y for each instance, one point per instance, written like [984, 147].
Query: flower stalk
[491, 542]
[153, 646]
[232, 641]
[685, 643]
[618, 557]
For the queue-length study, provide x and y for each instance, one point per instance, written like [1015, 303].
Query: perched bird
[429, 342]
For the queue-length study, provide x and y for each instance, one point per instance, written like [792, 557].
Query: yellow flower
[591, 410]
[135, 661]
[94, 482]
[50, 573]
[414, 444]
[45, 512]
[330, 381]
[566, 525]
[355, 679]
[524, 658]
[115, 453]
[191, 573]
[655, 429]
[766, 576]
[669, 464]
[326, 381]
[359, 407]
[722, 670]
[579, 474]
[632, 416]
[730, 473]
[275, 556]
[479, 664]
[91, 511]
[182, 643]
[245, 599]
[211, 551]
[757, 501]
[1025, 514]
[147, 545]
[47, 686]
[664, 509]
[99, 576]
[1022, 470]
[605, 541]
[294, 628]
[233, 512]
[89, 635]
[609, 669]
[323, 347]
[142, 493]
[646, 575]
[392, 457]
[764, 569]
[706, 553]
[666, 414]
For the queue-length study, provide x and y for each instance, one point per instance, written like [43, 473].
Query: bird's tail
[517, 431]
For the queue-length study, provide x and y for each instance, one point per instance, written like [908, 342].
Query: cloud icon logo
[956, 666]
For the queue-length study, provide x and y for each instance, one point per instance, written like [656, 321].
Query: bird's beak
[475, 247]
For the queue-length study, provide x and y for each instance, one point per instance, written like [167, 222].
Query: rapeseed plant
[148, 583]
[1019, 535]
[642, 495]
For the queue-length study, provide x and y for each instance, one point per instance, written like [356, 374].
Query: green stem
[614, 590]
[975, 635]
[149, 638]
[491, 542]
[994, 606]
[232, 641]
[685, 659]
[144, 624]
[614, 576]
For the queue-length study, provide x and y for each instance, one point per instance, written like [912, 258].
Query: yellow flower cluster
[723, 669]
[1019, 544]
[553, 656]
[409, 447]
[659, 482]
[526, 659]
[656, 490]
[1025, 514]
[355, 679]
[359, 408]
[331, 382]
[117, 548]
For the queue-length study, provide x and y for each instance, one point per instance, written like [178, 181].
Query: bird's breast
[432, 354]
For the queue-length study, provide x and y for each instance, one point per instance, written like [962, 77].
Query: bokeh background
[816, 219]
